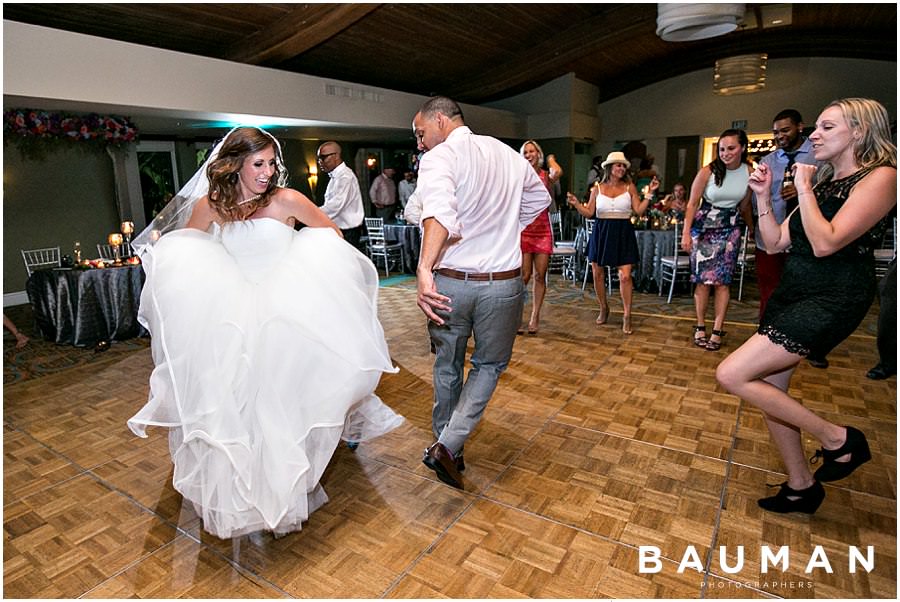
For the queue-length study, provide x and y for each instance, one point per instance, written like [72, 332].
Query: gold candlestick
[115, 240]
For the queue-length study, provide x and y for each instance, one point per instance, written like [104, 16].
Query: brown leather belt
[507, 275]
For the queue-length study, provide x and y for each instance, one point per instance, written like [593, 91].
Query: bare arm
[776, 238]
[869, 201]
[697, 188]
[289, 203]
[307, 213]
[202, 215]
[745, 207]
[588, 210]
[434, 239]
[554, 171]
[639, 205]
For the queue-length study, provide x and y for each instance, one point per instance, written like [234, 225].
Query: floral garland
[36, 132]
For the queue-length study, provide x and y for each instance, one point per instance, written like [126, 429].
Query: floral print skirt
[715, 242]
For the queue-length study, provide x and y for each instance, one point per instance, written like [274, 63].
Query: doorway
[158, 175]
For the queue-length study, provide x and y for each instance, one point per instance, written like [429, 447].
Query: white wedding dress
[267, 349]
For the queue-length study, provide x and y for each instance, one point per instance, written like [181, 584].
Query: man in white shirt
[477, 196]
[383, 193]
[406, 188]
[412, 211]
[343, 199]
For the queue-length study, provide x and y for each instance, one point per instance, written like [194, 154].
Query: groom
[477, 195]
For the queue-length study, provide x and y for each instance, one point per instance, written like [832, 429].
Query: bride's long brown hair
[224, 191]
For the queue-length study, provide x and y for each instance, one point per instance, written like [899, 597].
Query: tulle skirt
[259, 378]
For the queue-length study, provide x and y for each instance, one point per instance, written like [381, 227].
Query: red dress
[537, 236]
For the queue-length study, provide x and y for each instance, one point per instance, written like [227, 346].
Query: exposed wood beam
[551, 56]
[303, 28]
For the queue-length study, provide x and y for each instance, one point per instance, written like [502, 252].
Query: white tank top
[617, 207]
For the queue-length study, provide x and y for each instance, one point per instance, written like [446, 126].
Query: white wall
[565, 107]
[51, 64]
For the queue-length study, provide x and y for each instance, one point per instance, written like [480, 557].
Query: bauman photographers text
[649, 559]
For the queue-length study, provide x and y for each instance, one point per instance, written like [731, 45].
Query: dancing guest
[825, 291]
[477, 196]
[612, 241]
[712, 230]
[793, 147]
[343, 199]
[537, 237]
[266, 341]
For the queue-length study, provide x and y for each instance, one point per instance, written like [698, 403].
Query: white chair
[563, 256]
[379, 247]
[674, 267]
[746, 259]
[888, 251]
[40, 259]
[107, 252]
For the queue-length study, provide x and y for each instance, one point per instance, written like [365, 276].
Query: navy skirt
[612, 243]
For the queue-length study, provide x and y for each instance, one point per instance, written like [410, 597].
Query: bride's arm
[202, 215]
[304, 210]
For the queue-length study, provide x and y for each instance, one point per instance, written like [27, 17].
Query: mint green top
[732, 190]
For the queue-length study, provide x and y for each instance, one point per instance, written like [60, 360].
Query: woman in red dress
[537, 238]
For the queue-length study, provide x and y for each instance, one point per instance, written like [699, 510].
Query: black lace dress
[820, 301]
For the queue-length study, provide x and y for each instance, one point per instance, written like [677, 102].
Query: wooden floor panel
[597, 450]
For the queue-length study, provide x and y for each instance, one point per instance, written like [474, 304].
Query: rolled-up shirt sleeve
[535, 198]
[437, 191]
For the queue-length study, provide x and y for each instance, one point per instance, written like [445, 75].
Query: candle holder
[127, 229]
[115, 241]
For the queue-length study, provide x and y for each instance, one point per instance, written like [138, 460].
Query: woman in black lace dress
[825, 292]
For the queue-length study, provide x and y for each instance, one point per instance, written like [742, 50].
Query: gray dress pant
[490, 311]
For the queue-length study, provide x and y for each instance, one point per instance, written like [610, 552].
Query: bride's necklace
[250, 200]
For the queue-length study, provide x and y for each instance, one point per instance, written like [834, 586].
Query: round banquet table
[83, 307]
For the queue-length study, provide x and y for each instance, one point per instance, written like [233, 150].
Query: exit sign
[739, 124]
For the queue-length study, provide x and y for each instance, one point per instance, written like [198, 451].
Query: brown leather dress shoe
[439, 459]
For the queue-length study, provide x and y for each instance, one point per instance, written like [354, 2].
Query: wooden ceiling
[475, 53]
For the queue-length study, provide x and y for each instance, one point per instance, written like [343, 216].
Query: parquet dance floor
[594, 445]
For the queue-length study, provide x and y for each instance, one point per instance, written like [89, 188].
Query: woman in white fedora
[612, 241]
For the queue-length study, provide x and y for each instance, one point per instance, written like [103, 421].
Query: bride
[266, 341]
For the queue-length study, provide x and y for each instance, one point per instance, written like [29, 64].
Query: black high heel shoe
[832, 470]
[700, 339]
[712, 345]
[791, 500]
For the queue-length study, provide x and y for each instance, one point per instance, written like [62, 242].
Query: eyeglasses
[325, 156]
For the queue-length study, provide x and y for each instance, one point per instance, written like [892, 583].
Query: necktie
[790, 204]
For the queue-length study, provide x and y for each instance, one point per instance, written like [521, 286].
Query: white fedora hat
[616, 157]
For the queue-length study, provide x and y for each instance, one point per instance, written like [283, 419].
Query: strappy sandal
[712, 345]
[701, 340]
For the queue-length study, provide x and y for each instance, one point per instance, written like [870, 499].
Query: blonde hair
[539, 150]
[873, 147]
